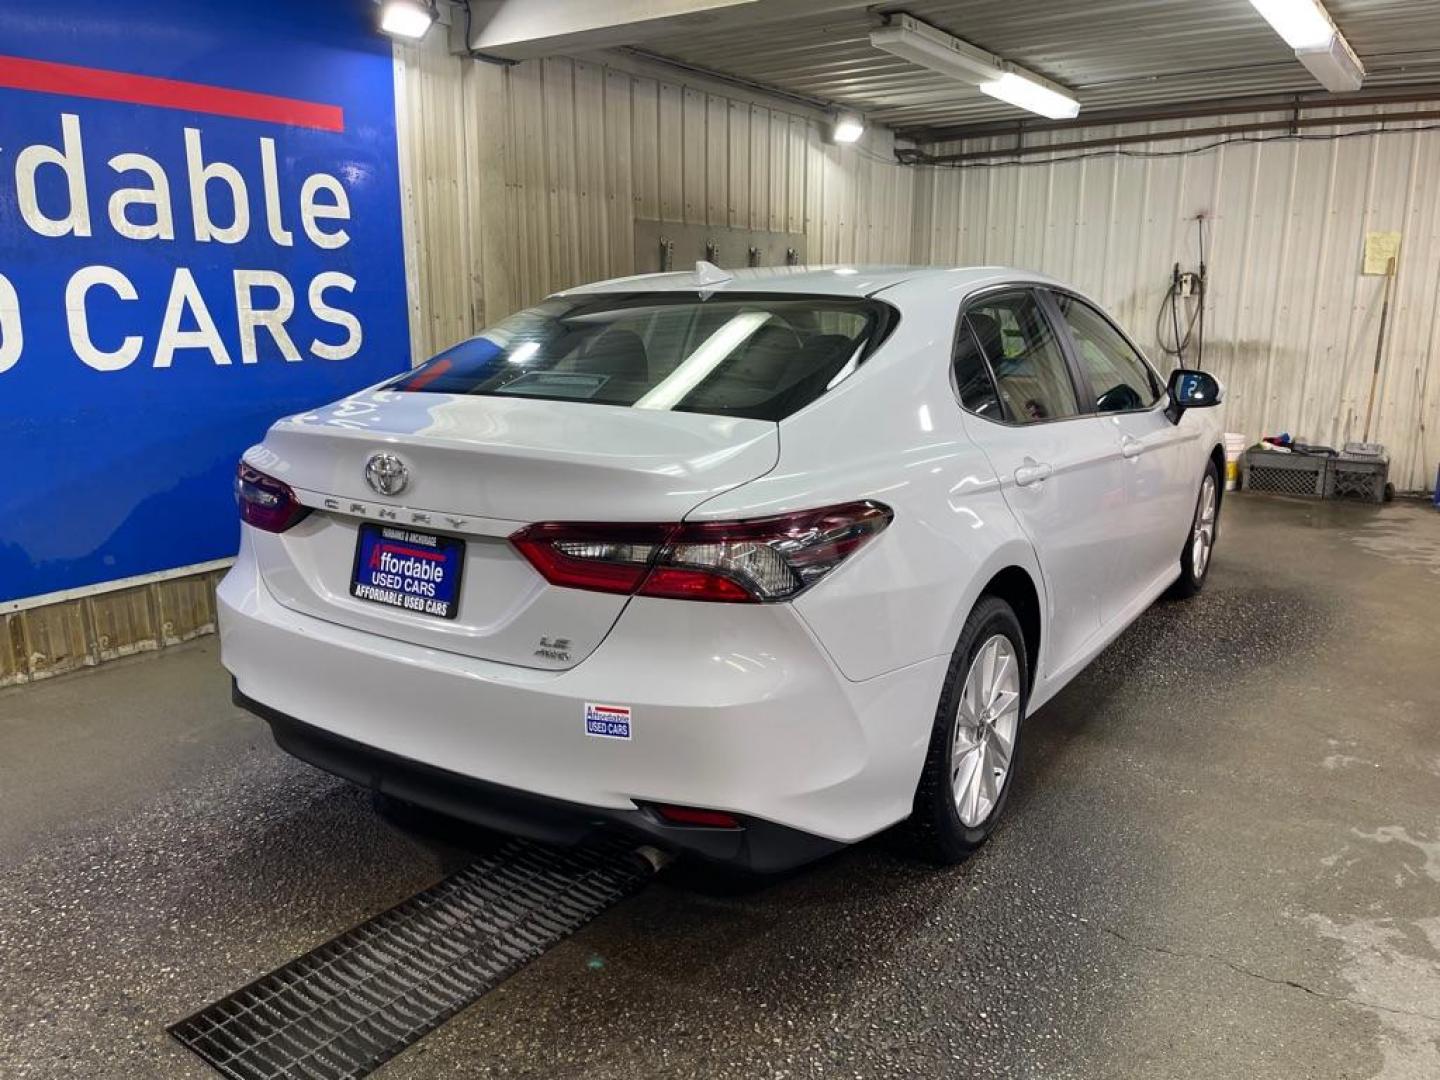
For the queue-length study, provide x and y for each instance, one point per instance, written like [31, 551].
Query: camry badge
[387, 474]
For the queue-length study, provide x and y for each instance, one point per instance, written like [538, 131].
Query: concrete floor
[1222, 860]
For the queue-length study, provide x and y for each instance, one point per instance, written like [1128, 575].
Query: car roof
[832, 280]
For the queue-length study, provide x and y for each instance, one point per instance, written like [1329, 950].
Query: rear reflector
[757, 560]
[265, 502]
[694, 816]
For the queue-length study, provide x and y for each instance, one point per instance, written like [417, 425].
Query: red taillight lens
[602, 558]
[695, 816]
[762, 559]
[265, 502]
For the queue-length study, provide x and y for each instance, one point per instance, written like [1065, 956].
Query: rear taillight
[602, 558]
[759, 560]
[265, 502]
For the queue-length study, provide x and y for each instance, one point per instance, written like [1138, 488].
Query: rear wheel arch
[1015, 586]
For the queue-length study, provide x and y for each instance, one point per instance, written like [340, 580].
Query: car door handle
[1031, 473]
[1131, 447]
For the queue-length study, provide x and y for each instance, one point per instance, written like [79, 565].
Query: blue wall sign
[199, 232]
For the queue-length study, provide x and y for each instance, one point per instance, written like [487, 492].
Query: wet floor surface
[1222, 859]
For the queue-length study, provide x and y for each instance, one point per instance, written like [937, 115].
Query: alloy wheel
[986, 723]
[1203, 539]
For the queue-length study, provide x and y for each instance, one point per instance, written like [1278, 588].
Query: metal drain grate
[347, 1007]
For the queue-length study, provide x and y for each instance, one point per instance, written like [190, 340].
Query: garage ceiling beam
[524, 29]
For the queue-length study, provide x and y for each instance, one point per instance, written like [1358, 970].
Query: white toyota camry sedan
[748, 565]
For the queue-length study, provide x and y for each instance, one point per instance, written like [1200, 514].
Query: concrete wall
[1291, 323]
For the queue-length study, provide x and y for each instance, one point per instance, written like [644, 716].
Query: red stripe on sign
[417, 552]
[72, 80]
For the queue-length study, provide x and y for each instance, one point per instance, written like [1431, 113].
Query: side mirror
[1190, 389]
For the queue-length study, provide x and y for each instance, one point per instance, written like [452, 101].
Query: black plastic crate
[1355, 477]
[1285, 474]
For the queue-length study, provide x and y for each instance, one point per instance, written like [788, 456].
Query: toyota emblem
[387, 474]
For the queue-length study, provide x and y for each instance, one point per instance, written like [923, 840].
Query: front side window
[1025, 355]
[761, 357]
[1119, 376]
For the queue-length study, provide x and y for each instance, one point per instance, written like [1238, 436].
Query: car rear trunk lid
[480, 468]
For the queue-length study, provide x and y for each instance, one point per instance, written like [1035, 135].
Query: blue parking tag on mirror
[414, 571]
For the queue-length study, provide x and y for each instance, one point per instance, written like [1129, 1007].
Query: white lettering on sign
[78, 318]
[185, 296]
[313, 211]
[70, 161]
[201, 176]
[271, 319]
[156, 196]
[333, 279]
[271, 182]
[140, 207]
[12, 335]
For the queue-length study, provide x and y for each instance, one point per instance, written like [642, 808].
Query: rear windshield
[759, 356]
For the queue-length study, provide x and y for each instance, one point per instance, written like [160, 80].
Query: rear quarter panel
[893, 432]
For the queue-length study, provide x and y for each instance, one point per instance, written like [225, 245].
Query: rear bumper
[734, 708]
[761, 846]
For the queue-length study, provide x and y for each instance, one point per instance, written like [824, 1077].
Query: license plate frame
[407, 546]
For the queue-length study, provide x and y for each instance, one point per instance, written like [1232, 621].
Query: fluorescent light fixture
[1302, 23]
[1306, 27]
[930, 47]
[1335, 67]
[410, 19]
[1026, 93]
[848, 128]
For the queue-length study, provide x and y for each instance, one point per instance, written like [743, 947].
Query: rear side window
[972, 376]
[1119, 376]
[761, 356]
[1025, 355]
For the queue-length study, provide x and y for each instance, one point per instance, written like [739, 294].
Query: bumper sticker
[607, 721]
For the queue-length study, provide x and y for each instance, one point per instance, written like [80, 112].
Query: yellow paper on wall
[1380, 248]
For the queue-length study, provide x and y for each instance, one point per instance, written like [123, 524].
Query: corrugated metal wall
[526, 179]
[522, 180]
[1291, 324]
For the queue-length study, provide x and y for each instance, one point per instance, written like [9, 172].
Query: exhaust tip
[653, 858]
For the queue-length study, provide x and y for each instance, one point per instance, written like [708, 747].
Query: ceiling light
[1302, 23]
[848, 128]
[406, 18]
[930, 47]
[1335, 65]
[1026, 93]
[1306, 28]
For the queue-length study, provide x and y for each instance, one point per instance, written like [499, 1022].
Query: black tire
[1190, 581]
[934, 830]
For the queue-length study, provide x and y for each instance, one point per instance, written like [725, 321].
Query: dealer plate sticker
[607, 721]
[415, 571]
